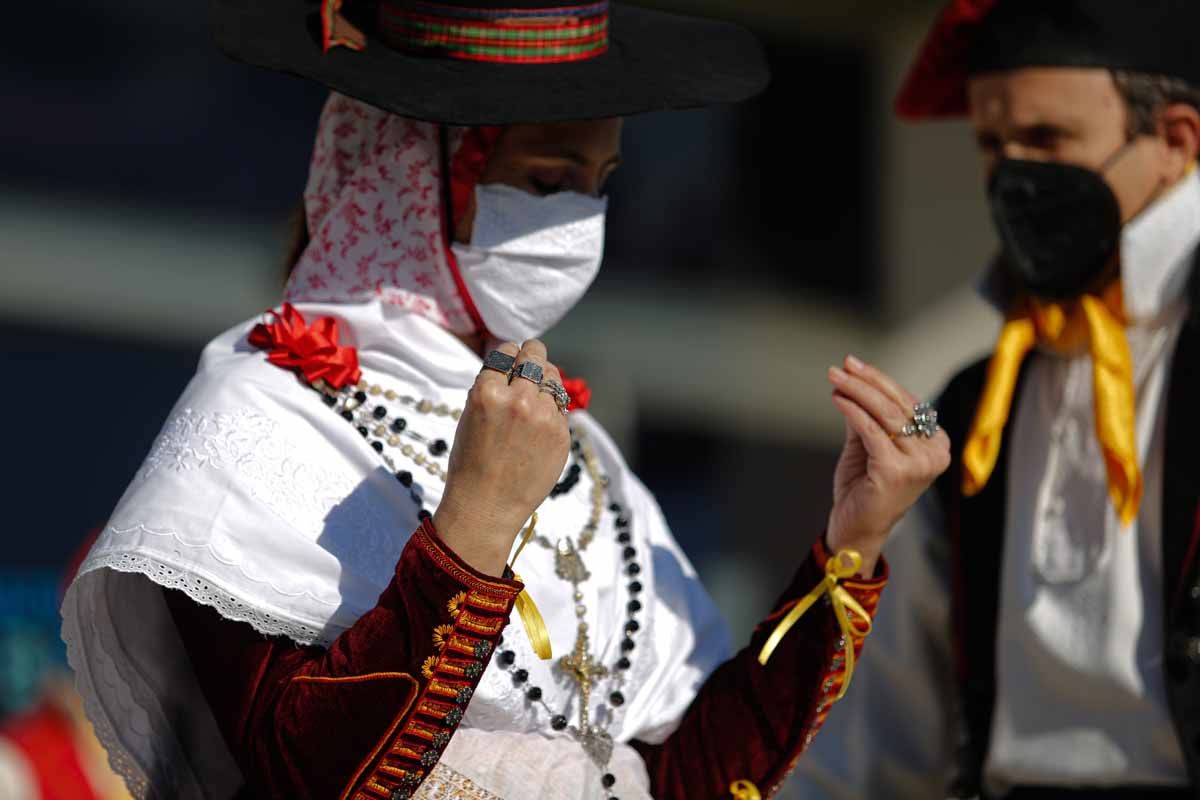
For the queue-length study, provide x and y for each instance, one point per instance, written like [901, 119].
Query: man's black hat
[497, 62]
[973, 37]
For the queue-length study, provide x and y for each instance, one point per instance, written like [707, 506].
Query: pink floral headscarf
[376, 216]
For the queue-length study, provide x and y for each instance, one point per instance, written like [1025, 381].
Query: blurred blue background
[145, 183]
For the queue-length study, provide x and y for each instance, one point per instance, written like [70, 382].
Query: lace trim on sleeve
[210, 594]
[119, 760]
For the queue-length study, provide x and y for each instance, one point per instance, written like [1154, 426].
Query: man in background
[1046, 639]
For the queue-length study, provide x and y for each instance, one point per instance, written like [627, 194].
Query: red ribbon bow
[312, 351]
[580, 392]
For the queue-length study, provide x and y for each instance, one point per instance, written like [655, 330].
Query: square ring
[529, 371]
[501, 362]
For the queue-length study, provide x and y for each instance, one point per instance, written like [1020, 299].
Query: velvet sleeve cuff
[426, 537]
[821, 555]
[751, 721]
[867, 591]
[475, 608]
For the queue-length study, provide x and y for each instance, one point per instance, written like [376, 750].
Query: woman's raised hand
[510, 449]
[882, 471]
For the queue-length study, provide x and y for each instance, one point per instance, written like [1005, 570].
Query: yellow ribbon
[744, 790]
[531, 618]
[845, 564]
[1096, 321]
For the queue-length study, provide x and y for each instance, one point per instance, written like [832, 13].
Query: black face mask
[1059, 224]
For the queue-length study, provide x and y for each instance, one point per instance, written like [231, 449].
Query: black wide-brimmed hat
[498, 62]
[973, 37]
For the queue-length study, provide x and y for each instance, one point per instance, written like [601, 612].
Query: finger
[887, 413]
[942, 445]
[552, 374]
[532, 352]
[874, 437]
[489, 375]
[945, 450]
[882, 381]
[534, 347]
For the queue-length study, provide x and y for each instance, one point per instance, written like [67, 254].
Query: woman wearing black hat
[308, 644]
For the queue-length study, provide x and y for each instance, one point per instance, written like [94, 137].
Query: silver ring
[558, 392]
[501, 362]
[529, 371]
[924, 422]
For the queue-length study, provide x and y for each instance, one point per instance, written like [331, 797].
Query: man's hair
[1146, 95]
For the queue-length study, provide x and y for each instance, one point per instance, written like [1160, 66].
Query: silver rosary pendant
[596, 743]
[568, 564]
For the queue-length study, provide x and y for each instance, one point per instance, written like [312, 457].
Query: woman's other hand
[881, 473]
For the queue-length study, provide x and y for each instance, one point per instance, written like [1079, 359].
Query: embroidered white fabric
[444, 783]
[516, 766]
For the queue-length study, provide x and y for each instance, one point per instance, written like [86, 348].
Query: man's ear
[1179, 124]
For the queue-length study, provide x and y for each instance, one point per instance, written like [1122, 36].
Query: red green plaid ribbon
[515, 36]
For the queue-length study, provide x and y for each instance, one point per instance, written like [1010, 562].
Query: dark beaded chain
[380, 427]
[520, 676]
[570, 480]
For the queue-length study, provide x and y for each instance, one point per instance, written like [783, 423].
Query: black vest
[975, 527]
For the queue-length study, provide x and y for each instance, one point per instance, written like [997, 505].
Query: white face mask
[530, 258]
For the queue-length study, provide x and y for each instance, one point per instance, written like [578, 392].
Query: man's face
[1069, 115]
[544, 159]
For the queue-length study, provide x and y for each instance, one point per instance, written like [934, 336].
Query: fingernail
[837, 374]
[854, 363]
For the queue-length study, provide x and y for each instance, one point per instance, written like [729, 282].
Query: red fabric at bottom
[47, 740]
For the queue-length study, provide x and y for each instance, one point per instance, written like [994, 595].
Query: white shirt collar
[1157, 249]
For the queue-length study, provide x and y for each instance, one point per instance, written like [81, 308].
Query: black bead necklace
[579, 664]
[363, 408]
[569, 480]
[596, 743]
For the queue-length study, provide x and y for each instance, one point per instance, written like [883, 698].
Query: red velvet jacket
[368, 718]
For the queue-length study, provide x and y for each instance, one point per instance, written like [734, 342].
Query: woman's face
[544, 159]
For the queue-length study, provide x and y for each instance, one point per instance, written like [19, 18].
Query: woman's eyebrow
[578, 158]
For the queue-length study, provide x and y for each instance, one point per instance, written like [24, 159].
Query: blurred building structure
[144, 187]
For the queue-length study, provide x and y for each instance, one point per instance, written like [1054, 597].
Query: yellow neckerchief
[1096, 321]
